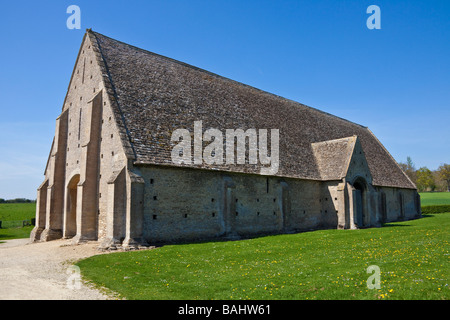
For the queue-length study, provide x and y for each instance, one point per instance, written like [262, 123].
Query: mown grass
[16, 211]
[15, 233]
[328, 264]
[434, 198]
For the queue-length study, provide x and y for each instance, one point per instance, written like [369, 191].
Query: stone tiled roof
[154, 95]
[333, 157]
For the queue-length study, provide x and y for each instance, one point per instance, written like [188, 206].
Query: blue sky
[395, 80]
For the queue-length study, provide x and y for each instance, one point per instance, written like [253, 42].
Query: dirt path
[40, 271]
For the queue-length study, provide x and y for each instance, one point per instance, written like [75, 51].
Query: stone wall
[186, 204]
[189, 205]
[88, 149]
[401, 204]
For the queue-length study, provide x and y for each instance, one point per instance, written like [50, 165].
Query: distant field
[17, 211]
[10, 212]
[434, 198]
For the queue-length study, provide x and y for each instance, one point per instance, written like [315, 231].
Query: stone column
[116, 210]
[134, 211]
[373, 208]
[41, 209]
[55, 189]
[228, 214]
[401, 201]
[417, 205]
[342, 206]
[87, 191]
[284, 202]
[351, 211]
[382, 206]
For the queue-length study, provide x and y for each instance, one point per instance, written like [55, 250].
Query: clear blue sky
[395, 80]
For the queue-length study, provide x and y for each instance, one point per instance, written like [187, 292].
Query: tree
[425, 179]
[444, 174]
[441, 185]
[409, 169]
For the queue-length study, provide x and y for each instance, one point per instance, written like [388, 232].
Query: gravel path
[41, 271]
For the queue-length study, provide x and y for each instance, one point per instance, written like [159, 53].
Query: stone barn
[111, 175]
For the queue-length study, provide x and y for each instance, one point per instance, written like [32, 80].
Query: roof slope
[333, 157]
[157, 95]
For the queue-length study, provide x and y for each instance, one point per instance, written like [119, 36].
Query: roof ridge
[225, 78]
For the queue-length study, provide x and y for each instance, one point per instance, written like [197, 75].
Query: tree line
[17, 200]
[426, 179]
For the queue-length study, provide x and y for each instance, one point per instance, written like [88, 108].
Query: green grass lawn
[15, 233]
[434, 198]
[16, 211]
[328, 264]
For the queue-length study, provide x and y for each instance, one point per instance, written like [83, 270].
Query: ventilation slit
[84, 67]
[79, 126]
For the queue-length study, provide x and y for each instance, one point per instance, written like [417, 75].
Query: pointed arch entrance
[361, 216]
[70, 221]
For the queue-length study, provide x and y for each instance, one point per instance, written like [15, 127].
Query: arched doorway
[361, 217]
[71, 210]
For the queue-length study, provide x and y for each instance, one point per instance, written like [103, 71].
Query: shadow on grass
[15, 233]
[393, 225]
[397, 223]
[235, 237]
[9, 237]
